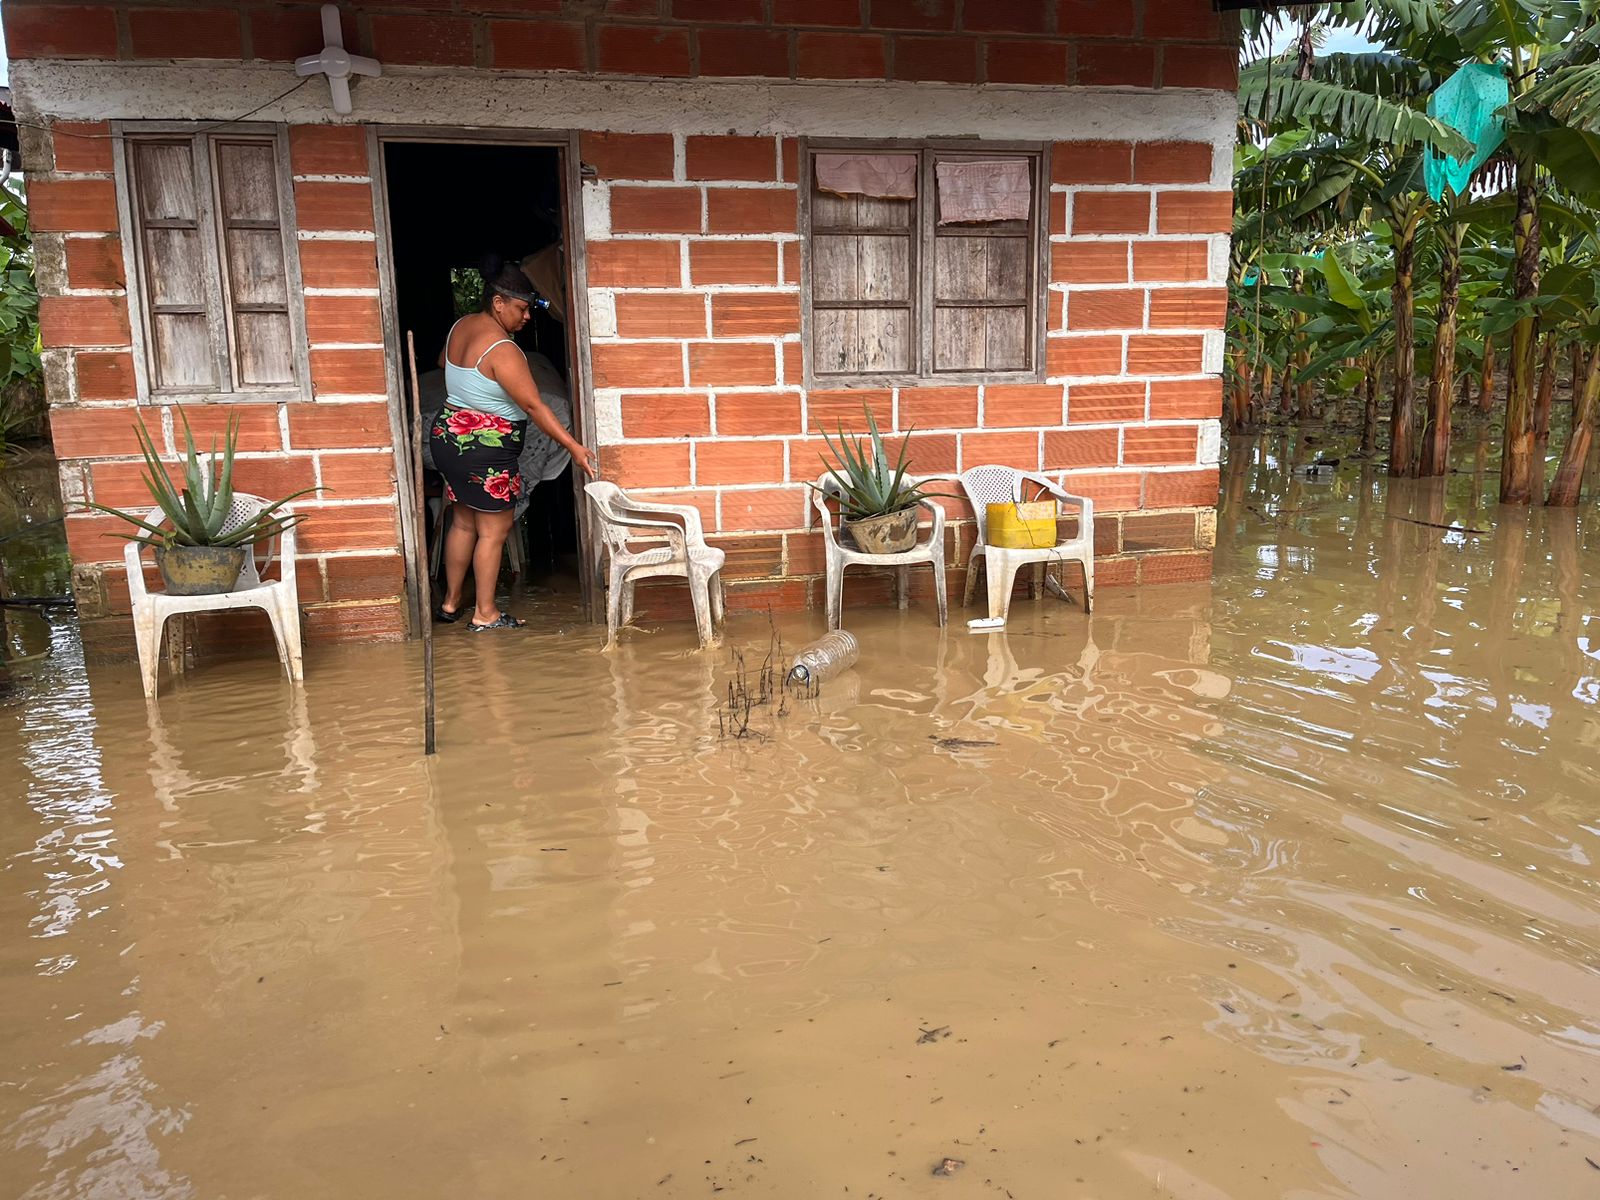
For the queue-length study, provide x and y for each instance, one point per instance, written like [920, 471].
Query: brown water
[1283, 886]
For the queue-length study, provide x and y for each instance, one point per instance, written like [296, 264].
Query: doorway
[450, 204]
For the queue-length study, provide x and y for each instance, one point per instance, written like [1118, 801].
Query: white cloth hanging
[883, 176]
[995, 189]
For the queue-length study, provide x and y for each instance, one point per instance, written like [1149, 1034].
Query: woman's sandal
[444, 616]
[503, 621]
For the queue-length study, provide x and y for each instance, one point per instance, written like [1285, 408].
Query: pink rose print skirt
[477, 455]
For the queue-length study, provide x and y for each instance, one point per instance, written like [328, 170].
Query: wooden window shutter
[863, 276]
[985, 282]
[174, 255]
[255, 282]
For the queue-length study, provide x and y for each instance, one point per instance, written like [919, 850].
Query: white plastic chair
[276, 597]
[988, 485]
[623, 522]
[840, 556]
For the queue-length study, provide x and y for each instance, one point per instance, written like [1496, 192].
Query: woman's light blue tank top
[468, 387]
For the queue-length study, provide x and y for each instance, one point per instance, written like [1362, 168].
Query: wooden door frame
[579, 382]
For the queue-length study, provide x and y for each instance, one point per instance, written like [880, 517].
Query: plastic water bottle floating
[830, 655]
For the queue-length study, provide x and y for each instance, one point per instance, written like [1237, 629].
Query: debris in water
[948, 1167]
[954, 743]
[1226, 1007]
[932, 1035]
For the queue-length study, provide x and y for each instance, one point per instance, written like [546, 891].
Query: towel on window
[990, 190]
[883, 176]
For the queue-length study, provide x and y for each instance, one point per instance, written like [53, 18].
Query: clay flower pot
[200, 570]
[887, 533]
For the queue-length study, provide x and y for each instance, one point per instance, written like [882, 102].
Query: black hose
[38, 602]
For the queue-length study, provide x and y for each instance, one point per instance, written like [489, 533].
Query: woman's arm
[508, 367]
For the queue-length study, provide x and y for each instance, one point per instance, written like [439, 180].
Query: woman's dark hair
[500, 276]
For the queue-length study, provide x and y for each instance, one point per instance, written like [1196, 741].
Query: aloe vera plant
[870, 487]
[196, 514]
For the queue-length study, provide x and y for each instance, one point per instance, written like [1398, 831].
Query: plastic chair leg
[938, 592]
[285, 616]
[972, 576]
[1002, 577]
[719, 599]
[613, 608]
[835, 582]
[1088, 583]
[700, 599]
[902, 587]
[147, 628]
[627, 600]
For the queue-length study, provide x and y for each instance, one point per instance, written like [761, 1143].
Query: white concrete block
[1210, 443]
[596, 210]
[602, 313]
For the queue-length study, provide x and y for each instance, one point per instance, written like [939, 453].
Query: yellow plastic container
[1026, 526]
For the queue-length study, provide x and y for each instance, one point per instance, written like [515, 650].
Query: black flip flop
[503, 621]
[444, 617]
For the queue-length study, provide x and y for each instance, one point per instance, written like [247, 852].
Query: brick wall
[350, 572]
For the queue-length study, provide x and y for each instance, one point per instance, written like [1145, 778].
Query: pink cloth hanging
[883, 176]
[989, 190]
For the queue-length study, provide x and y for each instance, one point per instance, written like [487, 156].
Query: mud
[1279, 886]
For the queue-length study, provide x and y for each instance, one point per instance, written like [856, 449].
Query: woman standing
[477, 440]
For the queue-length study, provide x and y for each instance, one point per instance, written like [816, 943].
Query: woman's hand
[585, 459]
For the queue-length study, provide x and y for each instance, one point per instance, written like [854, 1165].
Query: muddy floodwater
[1281, 886]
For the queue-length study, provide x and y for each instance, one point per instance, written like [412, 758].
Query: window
[924, 263]
[212, 255]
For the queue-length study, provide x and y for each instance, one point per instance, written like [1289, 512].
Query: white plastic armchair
[840, 556]
[988, 485]
[277, 597]
[624, 522]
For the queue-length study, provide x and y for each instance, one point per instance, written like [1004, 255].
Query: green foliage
[869, 484]
[20, 375]
[197, 513]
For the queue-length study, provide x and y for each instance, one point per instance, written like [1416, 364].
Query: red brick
[1171, 399]
[185, 33]
[791, 262]
[348, 372]
[764, 508]
[59, 31]
[912, 14]
[633, 8]
[1188, 308]
[355, 622]
[1115, 572]
[655, 210]
[329, 150]
[750, 414]
[95, 538]
[1215, 68]
[1159, 531]
[1183, 20]
[1116, 64]
[338, 426]
[736, 11]
[521, 8]
[1181, 489]
[1019, 450]
[95, 263]
[1080, 448]
[1111, 212]
[365, 576]
[1089, 262]
[841, 56]
[347, 319]
[649, 415]
[628, 155]
[643, 50]
[100, 431]
[794, 362]
[343, 207]
[751, 557]
[105, 375]
[938, 408]
[1105, 308]
[661, 314]
[635, 264]
[636, 365]
[932, 453]
[1176, 568]
[846, 409]
[1022, 404]
[1058, 212]
[712, 158]
[729, 53]
[426, 40]
[936, 59]
[1103, 403]
[1194, 212]
[83, 321]
[1097, 355]
[72, 205]
[1111, 491]
[1026, 62]
[1095, 18]
[82, 146]
[537, 46]
[121, 484]
[1172, 162]
[1160, 444]
[255, 426]
[348, 476]
[1092, 162]
[339, 264]
[750, 263]
[1007, 16]
[844, 13]
[728, 462]
[752, 210]
[1171, 262]
[346, 527]
[283, 35]
[647, 464]
[1165, 354]
[754, 314]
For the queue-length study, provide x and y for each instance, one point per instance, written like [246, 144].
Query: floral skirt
[477, 455]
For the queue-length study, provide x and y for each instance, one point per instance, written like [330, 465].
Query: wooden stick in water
[424, 584]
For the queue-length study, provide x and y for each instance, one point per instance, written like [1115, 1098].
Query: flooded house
[1001, 225]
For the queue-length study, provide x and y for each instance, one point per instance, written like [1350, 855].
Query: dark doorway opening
[450, 204]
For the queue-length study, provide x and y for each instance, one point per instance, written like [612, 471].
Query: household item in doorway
[994, 484]
[831, 654]
[826, 494]
[646, 541]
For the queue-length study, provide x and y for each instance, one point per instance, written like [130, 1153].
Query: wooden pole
[425, 584]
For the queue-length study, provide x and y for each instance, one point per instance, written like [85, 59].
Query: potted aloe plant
[197, 551]
[879, 504]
